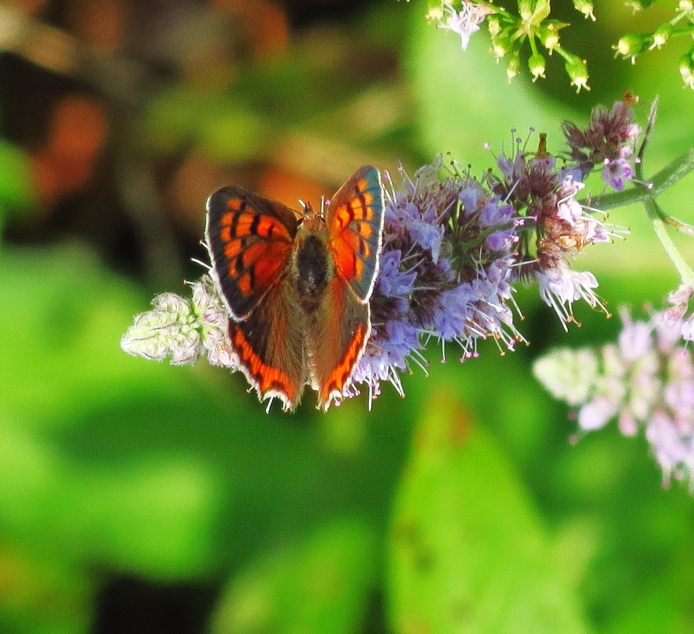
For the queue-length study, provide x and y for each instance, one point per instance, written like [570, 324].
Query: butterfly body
[297, 285]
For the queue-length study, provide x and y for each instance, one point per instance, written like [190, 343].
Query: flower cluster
[532, 24]
[645, 381]
[631, 45]
[445, 272]
[454, 247]
[510, 32]
[677, 313]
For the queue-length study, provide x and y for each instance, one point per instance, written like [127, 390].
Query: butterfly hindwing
[270, 346]
[337, 340]
[250, 238]
[355, 222]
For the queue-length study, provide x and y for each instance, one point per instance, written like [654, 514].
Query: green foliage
[178, 475]
[468, 552]
[321, 585]
[458, 94]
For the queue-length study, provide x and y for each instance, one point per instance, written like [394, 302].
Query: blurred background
[143, 498]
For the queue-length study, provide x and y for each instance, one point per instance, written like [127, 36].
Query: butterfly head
[307, 211]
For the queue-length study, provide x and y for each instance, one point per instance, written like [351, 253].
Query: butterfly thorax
[312, 267]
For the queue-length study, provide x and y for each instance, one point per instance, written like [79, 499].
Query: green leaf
[468, 552]
[320, 585]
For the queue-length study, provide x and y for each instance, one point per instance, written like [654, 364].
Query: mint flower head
[555, 227]
[644, 382]
[445, 272]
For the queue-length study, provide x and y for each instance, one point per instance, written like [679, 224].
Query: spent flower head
[607, 141]
[182, 329]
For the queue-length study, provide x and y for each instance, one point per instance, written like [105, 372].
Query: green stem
[655, 216]
[685, 31]
[565, 54]
[675, 171]
[668, 176]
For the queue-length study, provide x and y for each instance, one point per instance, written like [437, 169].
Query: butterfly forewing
[250, 240]
[355, 222]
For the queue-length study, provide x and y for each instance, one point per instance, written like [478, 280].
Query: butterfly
[297, 285]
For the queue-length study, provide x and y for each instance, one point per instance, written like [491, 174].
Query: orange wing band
[342, 372]
[263, 377]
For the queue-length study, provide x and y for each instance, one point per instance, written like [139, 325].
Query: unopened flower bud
[687, 68]
[578, 72]
[435, 12]
[533, 11]
[661, 35]
[549, 34]
[513, 66]
[585, 7]
[631, 45]
[536, 64]
[494, 26]
[502, 46]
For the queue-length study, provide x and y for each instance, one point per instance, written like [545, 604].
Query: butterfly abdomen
[313, 270]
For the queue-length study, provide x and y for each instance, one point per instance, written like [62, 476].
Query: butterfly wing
[250, 238]
[270, 346]
[355, 226]
[355, 223]
[337, 340]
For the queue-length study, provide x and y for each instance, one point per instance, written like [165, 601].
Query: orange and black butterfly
[297, 285]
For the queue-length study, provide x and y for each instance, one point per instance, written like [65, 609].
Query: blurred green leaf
[43, 595]
[468, 552]
[63, 368]
[321, 585]
[59, 333]
[653, 611]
